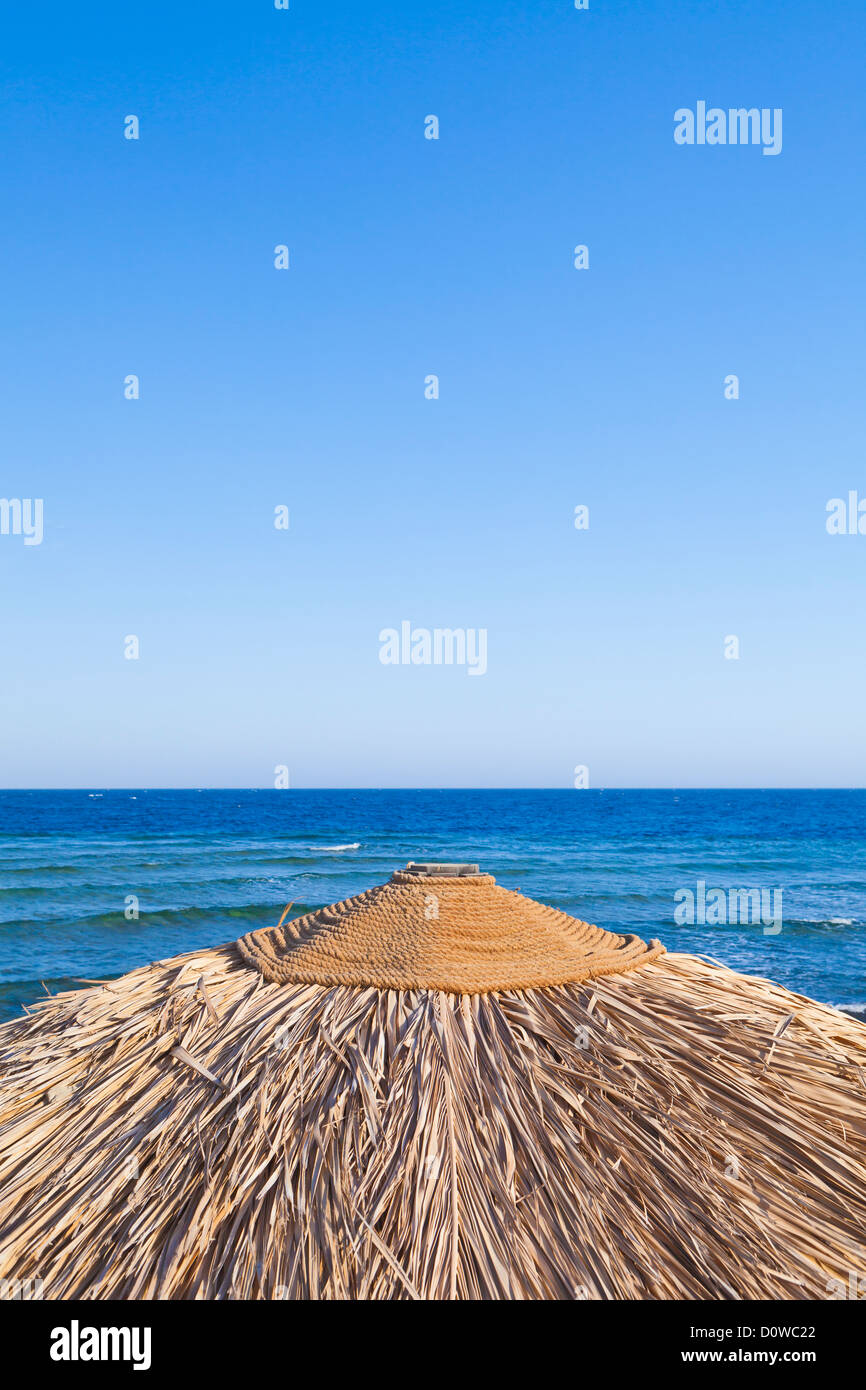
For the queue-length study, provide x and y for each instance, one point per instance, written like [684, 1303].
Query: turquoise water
[206, 866]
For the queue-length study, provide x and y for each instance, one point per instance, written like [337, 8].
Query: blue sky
[305, 387]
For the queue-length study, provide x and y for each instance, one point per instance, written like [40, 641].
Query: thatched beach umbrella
[436, 1089]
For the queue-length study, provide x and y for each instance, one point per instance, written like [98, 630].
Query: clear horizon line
[96, 787]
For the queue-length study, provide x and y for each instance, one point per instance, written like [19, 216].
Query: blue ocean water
[205, 866]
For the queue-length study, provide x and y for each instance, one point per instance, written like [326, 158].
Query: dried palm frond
[677, 1131]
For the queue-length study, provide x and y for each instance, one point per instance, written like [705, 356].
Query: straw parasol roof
[436, 1089]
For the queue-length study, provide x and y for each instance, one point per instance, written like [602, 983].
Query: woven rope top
[462, 935]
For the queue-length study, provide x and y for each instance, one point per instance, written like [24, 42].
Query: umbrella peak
[441, 927]
[439, 870]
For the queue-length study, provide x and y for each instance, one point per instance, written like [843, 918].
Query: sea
[94, 883]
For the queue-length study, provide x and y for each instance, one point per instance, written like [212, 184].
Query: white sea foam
[855, 1010]
[826, 921]
[336, 849]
